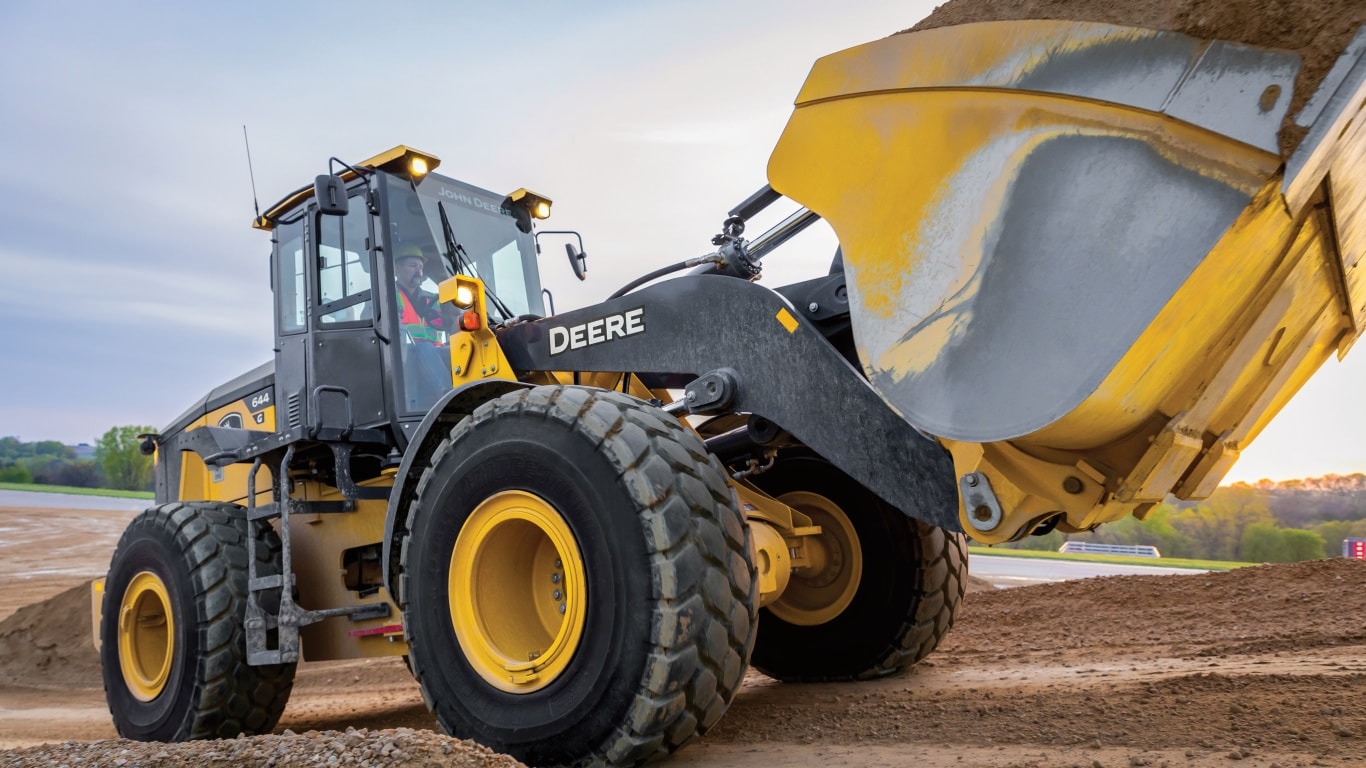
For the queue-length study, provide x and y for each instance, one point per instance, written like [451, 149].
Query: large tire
[173, 640]
[902, 583]
[593, 537]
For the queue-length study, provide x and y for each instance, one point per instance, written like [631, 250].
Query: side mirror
[330, 192]
[578, 261]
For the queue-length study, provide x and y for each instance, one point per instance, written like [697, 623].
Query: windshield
[440, 228]
[482, 240]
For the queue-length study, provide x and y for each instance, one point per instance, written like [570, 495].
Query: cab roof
[397, 160]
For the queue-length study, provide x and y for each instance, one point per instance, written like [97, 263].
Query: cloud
[118, 293]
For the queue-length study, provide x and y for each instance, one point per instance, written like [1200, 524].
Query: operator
[419, 311]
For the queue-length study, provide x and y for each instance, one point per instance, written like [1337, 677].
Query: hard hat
[408, 252]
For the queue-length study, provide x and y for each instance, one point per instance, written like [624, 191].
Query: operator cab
[458, 229]
[356, 263]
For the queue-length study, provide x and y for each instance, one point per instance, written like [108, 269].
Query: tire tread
[230, 697]
[939, 558]
[694, 538]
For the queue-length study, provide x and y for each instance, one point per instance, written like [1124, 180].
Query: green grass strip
[1157, 562]
[77, 491]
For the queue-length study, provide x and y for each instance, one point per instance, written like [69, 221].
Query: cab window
[344, 291]
[289, 276]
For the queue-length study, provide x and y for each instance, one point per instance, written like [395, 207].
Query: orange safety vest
[414, 324]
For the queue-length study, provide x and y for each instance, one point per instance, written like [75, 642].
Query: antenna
[255, 205]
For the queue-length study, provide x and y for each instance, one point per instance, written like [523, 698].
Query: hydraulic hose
[662, 271]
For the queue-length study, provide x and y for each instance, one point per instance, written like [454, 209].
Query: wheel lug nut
[561, 607]
[554, 578]
[556, 594]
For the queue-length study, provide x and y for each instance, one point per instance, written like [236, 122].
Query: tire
[173, 641]
[902, 583]
[648, 592]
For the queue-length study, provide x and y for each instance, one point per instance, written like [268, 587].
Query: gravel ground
[355, 748]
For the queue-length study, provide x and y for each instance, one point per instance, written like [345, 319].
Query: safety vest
[417, 328]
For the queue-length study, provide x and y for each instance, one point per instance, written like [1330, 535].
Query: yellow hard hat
[408, 252]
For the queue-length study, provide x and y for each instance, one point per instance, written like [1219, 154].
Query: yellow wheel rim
[820, 592]
[517, 592]
[146, 636]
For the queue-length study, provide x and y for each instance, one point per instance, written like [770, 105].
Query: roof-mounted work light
[404, 161]
[538, 206]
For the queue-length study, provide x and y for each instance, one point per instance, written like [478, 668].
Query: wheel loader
[1074, 277]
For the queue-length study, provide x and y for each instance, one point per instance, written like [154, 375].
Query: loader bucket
[1074, 253]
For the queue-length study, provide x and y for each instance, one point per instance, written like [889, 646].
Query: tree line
[118, 463]
[1262, 523]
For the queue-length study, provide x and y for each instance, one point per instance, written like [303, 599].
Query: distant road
[71, 501]
[1006, 571]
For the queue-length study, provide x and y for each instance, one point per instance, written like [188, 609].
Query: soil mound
[50, 643]
[1317, 30]
[1263, 609]
[401, 746]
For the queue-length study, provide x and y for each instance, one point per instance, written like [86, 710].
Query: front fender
[454, 406]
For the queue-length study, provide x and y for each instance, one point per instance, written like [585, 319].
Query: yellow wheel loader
[1074, 276]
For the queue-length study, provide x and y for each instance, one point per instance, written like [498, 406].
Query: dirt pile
[1200, 714]
[1317, 30]
[401, 746]
[1290, 607]
[1264, 664]
[50, 643]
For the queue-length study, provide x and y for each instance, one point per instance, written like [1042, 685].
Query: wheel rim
[820, 592]
[146, 636]
[517, 592]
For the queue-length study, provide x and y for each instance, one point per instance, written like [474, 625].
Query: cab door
[347, 387]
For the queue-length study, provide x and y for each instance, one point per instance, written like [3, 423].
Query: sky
[133, 282]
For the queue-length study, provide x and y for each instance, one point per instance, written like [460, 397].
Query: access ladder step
[262, 583]
[261, 658]
[272, 510]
